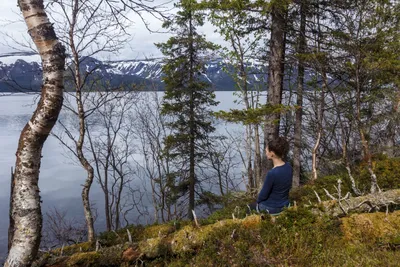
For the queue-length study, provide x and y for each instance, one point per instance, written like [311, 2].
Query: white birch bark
[26, 210]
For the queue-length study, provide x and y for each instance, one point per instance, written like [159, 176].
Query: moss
[157, 231]
[371, 227]
[154, 247]
[190, 237]
[252, 222]
[296, 216]
[111, 256]
[84, 259]
[69, 250]
[121, 236]
[296, 237]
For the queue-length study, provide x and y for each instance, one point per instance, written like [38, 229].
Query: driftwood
[366, 203]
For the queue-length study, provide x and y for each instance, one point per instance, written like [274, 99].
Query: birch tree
[26, 210]
[86, 33]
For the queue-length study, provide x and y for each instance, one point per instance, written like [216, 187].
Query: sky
[140, 46]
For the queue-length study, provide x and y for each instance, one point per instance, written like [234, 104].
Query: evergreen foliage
[188, 97]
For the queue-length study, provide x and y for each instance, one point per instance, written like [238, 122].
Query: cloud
[141, 44]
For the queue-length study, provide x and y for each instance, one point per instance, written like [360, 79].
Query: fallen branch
[316, 194]
[367, 203]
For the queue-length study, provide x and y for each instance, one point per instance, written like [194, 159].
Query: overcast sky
[141, 46]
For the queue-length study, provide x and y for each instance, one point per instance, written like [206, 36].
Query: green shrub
[387, 171]
[305, 194]
[232, 204]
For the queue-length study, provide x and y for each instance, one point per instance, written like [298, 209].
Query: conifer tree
[188, 97]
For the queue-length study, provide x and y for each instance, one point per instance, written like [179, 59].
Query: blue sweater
[275, 191]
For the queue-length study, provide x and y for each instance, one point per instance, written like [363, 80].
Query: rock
[130, 255]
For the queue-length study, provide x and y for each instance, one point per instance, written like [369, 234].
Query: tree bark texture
[275, 73]
[320, 116]
[320, 109]
[257, 157]
[299, 111]
[192, 174]
[11, 226]
[26, 211]
[86, 165]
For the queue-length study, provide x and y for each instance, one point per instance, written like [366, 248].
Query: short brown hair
[279, 146]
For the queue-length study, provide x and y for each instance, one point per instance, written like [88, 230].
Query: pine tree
[188, 97]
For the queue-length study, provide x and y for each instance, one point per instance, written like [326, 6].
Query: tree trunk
[320, 118]
[344, 139]
[364, 141]
[390, 137]
[299, 103]
[26, 210]
[11, 227]
[192, 178]
[257, 157]
[107, 201]
[249, 152]
[275, 74]
[320, 110]
[82, 128]
[84, 162]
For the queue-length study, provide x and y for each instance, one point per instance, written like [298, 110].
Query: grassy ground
[297, 237]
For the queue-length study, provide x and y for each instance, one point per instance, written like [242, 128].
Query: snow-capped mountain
[22, 72]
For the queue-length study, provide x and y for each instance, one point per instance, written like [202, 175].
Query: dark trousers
[261, 207]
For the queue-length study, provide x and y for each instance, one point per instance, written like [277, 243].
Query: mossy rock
[154, 247]
[84, 259]
[69, 250]
[371, 227]
[154, 231]
[191, 237]
[131, 254]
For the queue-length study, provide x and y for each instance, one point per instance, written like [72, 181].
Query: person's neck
[277, 162]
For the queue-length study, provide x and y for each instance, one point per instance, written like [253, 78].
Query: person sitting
[274, 195]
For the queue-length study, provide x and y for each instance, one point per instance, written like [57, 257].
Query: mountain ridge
[24, 73]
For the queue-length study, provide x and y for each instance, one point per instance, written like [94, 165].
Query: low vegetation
[232, 236]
